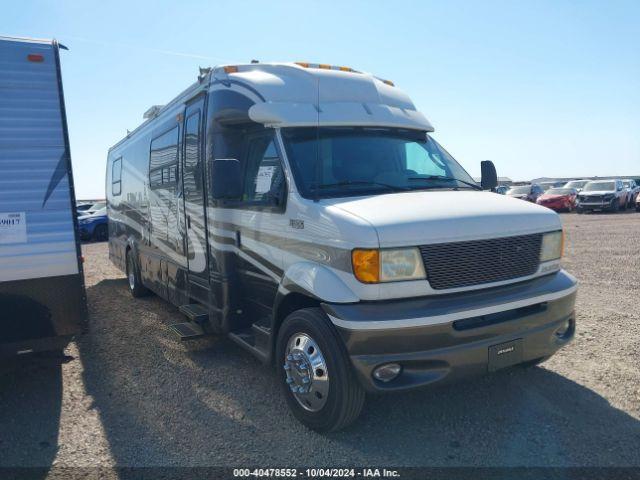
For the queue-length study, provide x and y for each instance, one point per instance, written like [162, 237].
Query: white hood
[423, 217]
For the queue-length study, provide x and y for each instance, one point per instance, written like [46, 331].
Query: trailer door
[193, 178]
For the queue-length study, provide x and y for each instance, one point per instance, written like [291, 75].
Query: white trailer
[42, 292]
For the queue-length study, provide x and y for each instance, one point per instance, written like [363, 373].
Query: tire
[329, 406]
[637, 207]
[134, 281]
[615, 205]
[101, 233]
[579, 210]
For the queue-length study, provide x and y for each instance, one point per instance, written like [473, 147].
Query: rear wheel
[101, 233]
[315, 372]
[134, 281]
[615, 205]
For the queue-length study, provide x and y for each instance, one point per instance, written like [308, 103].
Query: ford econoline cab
[307, 212]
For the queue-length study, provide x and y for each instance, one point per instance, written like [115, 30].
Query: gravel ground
[133, 395]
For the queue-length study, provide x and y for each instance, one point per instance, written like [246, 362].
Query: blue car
[94, 226]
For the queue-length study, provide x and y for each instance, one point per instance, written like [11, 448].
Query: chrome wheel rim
[306, 371]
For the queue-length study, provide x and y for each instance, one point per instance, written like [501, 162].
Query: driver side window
[264, 182]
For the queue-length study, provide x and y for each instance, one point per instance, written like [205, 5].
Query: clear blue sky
[543, 88]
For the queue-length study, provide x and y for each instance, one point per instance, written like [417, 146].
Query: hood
[423, 217]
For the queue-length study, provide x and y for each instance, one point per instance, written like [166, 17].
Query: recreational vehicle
[307, 212]
[42, 295]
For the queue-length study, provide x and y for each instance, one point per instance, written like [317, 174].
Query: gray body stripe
[335, 257]
[449, 317]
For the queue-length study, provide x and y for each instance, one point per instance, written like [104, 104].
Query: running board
[256, 339]
[188, 330]
[195, 312]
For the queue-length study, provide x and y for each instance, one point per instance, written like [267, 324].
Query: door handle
[188, 221]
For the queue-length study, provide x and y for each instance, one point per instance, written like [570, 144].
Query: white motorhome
[42, 295]
[307, 212]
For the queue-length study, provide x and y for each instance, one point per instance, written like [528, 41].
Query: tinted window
[163, 160]
[560, 191]
[192, 163]
[356, 161]
[523, 190]
[116, 177]
[264, 178]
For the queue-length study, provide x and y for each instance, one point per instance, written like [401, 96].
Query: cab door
[194, 193]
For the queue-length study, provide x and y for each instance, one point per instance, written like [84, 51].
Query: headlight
[387, 265]
[552, 246]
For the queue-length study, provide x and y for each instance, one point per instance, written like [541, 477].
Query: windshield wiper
[440, 177]
[345, 183]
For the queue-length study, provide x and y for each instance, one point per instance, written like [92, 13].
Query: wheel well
[288, 305]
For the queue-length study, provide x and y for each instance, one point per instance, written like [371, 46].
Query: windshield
[600, 186]
[330, 162]
[560, 191]
[523, 190]
[576, 183]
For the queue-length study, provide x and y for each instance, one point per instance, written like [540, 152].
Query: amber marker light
[366, 265]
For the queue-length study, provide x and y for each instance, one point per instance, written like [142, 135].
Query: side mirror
[226, 178]
[489, 177]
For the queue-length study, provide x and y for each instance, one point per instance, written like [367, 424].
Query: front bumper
[446, 338]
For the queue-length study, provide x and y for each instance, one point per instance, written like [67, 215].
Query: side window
[116, 177]
[264, 178]
[163, 160]
[192, 171]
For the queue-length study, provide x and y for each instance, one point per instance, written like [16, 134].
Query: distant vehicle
[42, 294]
[93, 208]
[577, 184]
[83, 207]
[94, 226]
[530, 193]
[547, 185]
[632, 191]
[559, 199]
[601, 195]
[502, 189]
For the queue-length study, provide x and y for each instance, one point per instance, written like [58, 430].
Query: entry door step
[195, 312]
[188, 330]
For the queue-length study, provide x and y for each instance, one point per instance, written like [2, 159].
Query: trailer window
[163, 160]
[116, 177]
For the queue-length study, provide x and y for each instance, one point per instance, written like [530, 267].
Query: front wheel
[101, 233]
[315, 372]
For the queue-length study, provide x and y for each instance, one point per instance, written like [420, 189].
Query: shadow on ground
[30, 407]
[162, 402]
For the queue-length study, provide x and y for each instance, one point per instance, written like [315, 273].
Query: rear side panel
[42, 294]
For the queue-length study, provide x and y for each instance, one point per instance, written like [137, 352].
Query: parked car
[502, 189]
[638, 203]
[547, 185]
[559, 199]
[94, 226]
[632, 191]
[530, 193]
[601, 195]
[82, 208]
[577, 184]
[93, 208]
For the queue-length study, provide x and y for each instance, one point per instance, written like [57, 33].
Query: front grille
[592, 198]
[464, 264]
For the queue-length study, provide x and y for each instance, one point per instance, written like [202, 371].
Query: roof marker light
[324, 66]
[303, 64]
[389, 82]
[231, 69]
[35, 57]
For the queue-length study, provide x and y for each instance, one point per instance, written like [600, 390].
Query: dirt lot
[133, 395]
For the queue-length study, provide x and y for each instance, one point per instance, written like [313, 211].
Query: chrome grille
[464, 264]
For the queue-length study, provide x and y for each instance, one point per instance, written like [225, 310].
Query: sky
[541, 87]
